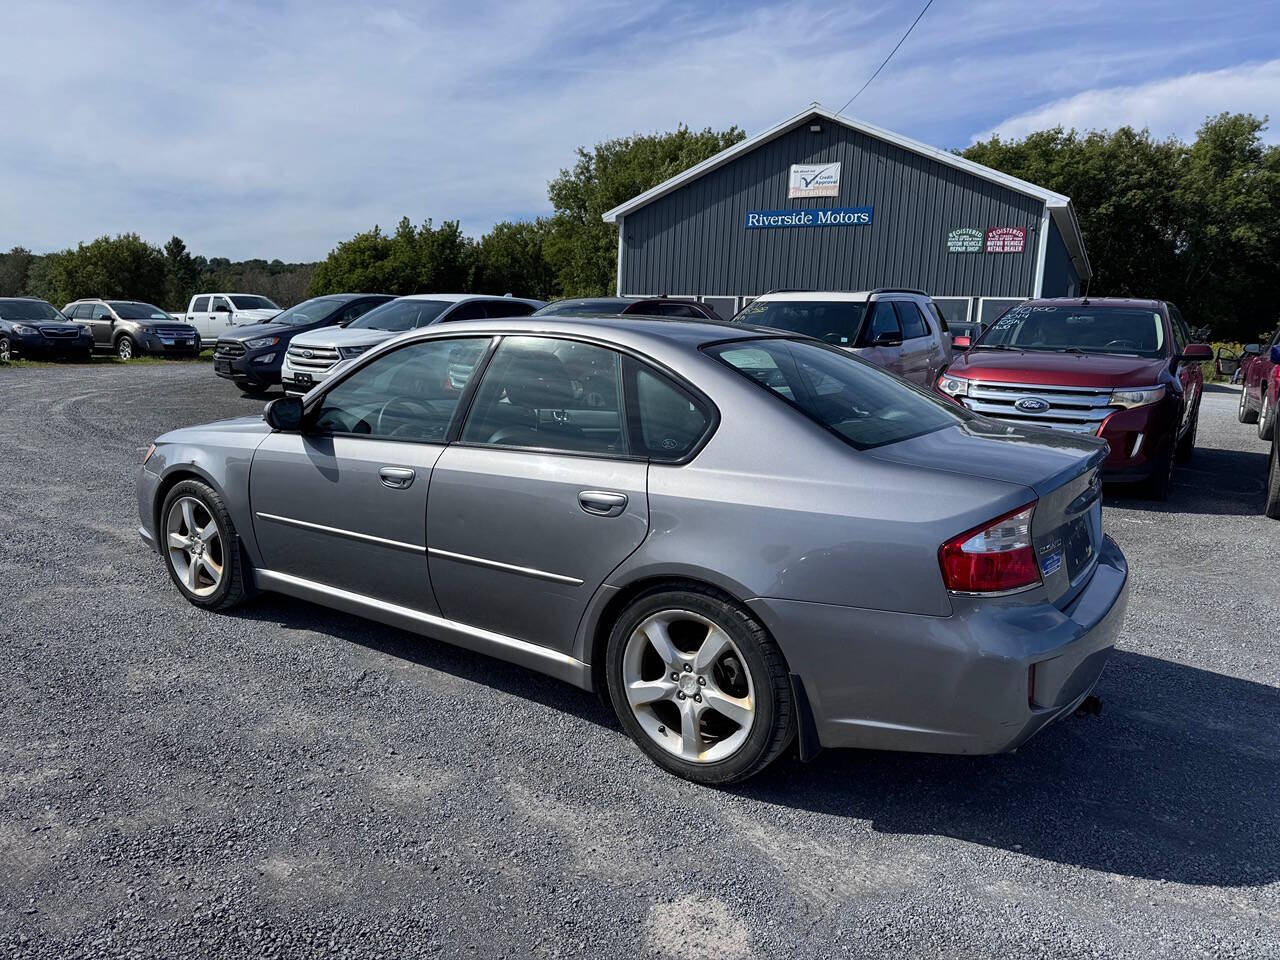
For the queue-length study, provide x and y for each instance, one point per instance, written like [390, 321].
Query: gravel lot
[288, 781]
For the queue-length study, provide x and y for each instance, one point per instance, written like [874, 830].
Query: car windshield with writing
[836, 321]
[244, 301]
[1122, 331]
[858, 402]
[309, 311]
[400, 315]
[131, 310]
[29, 310]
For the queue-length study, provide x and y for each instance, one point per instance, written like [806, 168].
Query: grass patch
[110, 359]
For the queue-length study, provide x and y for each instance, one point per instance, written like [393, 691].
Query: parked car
[1120, 369]
[900, 330]
[964, 331]
[1261, 379]
[213, 314]
[613, 306]
[252, 356]
[131, 328]
[36, 330]
[311, 357]
[587, 498]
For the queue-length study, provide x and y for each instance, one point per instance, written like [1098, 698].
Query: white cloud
[1174, 106]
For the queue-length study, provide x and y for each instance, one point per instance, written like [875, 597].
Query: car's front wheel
[126, 349]
[699, 685]
[200, 548]
[6, 351]
[1244, 413]
[1267, 415]
[1187, 445]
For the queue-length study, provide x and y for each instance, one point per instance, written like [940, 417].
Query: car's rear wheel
[700, 685]
[1266, 416]
[1272, 507]
[6, 351]
[126, 349]
[1245, 413]
[253, 389]
[1161, 480]
[1187, 445]
[200, 548]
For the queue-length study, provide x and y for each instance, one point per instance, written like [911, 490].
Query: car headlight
[953, 386]
[22, 330]
[348, 352]
[260, 342]
[1137, 398]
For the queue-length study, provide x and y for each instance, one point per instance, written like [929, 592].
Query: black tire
[6, 350]
[253, 390]
[774, 724]
[1245, 413]
[1187, 445]
[1160, 482]
[127, 348]
[236, 583]
[1272, 506]
[1266, 416]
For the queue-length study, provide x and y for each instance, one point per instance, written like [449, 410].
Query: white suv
[899, 329]
[312, 356]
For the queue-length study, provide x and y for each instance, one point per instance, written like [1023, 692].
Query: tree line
[1197, 223]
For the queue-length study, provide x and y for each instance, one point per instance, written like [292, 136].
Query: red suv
[1124, 370]
[1261, 377]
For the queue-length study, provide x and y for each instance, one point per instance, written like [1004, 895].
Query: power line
[888, 58]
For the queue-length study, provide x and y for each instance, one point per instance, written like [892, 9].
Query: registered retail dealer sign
[964, 240]
[830, 217]
[1006, 240]
[814, 180]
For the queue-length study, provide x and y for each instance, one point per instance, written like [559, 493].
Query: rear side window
[856, 401]
[666, 422]
[200, 305]
[506, 308]
[937, 315]
[835, 322]
[470, 310]
[912, 321]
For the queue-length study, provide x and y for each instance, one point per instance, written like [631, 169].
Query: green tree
[124, 267]
[582, 248]
[181, 274]
[410, 260]
[14, 267]
[511, 258]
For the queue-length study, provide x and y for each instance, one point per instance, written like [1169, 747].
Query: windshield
[831, 321]
[576, 308]
[130, 310]
[399, 315]
[29, 310]
[1078, 329]
[308, 311]
[244, 301]
[858, 402]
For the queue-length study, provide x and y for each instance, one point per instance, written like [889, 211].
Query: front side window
[884, 321]
[1127, 331]
[408, 394]
[835, 322]
[100, 312]
[219, 305]
[245, 301]
[507, 307]
[550, 394]
[911, 319]
[401, 315]
[470, 310]
[858, 402]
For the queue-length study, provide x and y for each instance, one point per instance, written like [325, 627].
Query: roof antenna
[1084, 301]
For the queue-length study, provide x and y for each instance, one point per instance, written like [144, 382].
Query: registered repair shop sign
[964, 240]
[814, 180]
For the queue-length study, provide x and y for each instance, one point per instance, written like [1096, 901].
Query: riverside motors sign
[814, 180]
[832, 217]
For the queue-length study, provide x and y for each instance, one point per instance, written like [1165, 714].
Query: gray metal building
[825, 202]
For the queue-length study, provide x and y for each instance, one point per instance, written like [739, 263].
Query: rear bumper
[959, 684]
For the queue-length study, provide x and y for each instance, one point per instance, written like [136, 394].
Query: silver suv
[898, 329]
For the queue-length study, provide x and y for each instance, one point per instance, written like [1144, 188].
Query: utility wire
[888, 58]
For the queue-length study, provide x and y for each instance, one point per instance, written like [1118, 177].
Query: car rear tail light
[996, 557]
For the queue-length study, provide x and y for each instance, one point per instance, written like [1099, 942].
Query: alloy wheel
[4, 350]
[195, 546]
[688, 686]
[124, 349]
[1264, 414]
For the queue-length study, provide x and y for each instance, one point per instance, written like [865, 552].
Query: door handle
[602, 503]
[397, 478]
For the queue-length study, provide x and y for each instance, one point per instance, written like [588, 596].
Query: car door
[343, 502]
[540, 499]
[100, 321]
[881, 338]
[919, 354]
[220, 316]
[1189, 375]
[198, 316]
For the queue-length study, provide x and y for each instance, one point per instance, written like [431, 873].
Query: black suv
[130, 328]
[252, 356]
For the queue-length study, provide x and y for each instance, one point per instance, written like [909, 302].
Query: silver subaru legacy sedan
[744, 539]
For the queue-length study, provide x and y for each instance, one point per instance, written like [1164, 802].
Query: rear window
[831, 321]
[858, 402]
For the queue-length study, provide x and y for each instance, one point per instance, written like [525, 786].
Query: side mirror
[284, 413]
[1275, 354]
[1197, 352]
[1252, 350]
[887, 339]
[961, 342]
[221, 308]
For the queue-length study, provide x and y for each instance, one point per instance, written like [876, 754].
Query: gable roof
[1059, 206]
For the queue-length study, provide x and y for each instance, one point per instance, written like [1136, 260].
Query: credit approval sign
[814, 180]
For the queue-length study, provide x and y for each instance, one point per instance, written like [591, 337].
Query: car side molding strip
[543, 659]
[341, 532]
[508, 567]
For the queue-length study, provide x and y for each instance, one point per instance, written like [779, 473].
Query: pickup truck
[213, 314]
[1260, 376]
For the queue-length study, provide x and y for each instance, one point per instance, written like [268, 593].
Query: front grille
[228, 350]
[176, 333]
[312, 358]
[1077, 409]
[59, 333]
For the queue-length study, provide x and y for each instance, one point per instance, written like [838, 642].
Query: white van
[213, 314]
